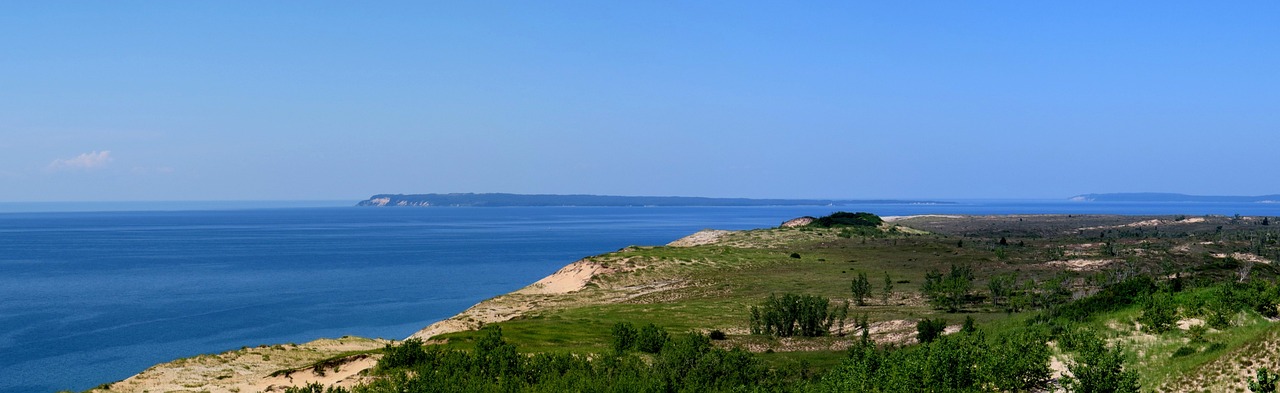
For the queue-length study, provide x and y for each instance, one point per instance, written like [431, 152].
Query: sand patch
[249, 369]
[1186, 324]
[899, 218]
[798, 222]
[572, 277]
[1148, 223]
[1081, 265]
[703, 237]
[1243, 257]
[344, 375]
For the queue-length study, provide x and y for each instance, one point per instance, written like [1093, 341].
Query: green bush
[716, 335]
[651, 338]
[624, 336]
[315, 387]
[964, 362]
[1264, 382]
[406, 354]
[928, 330]
[793, 315]
[1100, 369]
[861, 288]
[1184, 351]
[950, 291]
[1159, 313]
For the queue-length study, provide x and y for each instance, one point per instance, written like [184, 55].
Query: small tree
[861, 289]
[948, 291]
[840, 314]
[888, 289]
[1001, 287]
[791, 314]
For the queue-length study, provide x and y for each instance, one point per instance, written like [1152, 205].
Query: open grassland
[712, 286]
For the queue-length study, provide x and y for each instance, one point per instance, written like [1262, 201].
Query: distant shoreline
[528, 200]
[1159, 197]
[137, 206]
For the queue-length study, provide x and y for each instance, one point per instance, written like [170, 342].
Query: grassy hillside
[1066, 281]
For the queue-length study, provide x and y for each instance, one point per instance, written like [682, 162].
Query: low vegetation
[1118, 304]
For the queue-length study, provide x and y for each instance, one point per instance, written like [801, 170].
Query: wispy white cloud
[86, 161]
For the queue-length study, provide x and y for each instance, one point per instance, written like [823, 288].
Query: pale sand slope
[249, 369]
[548, 292]
[593, 280]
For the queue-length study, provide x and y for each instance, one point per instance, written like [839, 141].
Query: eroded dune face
[251, 369]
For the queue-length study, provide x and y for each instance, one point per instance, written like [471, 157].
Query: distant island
[1171, 197]
[507, 200]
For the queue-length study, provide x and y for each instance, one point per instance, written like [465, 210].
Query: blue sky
[339, 100]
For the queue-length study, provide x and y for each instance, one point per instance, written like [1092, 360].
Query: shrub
[315, 387]
[624, 336]
[1100, 369]
[1184, 351]
[1159, 313]
[408, 353]
[651, 339]
[1264, 382]
[888, 289]
[1028, 370]
[793, 315]
[948, 291]
[717, 335]
[861, 288]
[1196, 332]
[928, 330]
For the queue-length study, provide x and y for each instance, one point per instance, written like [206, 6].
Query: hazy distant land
[1171, 197]
[507, 200]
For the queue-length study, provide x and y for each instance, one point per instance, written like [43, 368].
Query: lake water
[93, 297]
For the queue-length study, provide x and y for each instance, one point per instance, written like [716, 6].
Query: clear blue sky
[278, 100]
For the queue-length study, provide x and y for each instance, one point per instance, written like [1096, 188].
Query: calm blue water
[93, 297]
